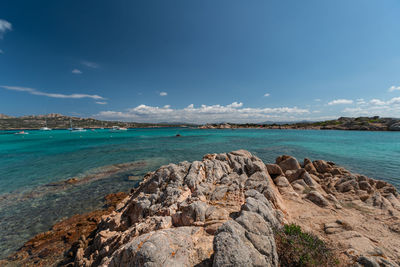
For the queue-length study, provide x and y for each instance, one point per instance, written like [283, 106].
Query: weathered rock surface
[219, 211]
[222, 211]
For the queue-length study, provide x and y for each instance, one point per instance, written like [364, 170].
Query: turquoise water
[29, 164]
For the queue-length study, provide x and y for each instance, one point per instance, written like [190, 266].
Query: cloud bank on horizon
[234, 112]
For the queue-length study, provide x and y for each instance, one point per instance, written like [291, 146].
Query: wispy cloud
[5, 26]
[33, 91]
[90, 64]
[101, 103]
[163, 93]
[340, 102]
[1, 51]
[76, 71]
[266, 94]
[234, 112]
[394, 88]
[317, 100]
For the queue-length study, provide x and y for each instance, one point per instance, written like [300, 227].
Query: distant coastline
[343, 123]
[59, 122]
[62, 122]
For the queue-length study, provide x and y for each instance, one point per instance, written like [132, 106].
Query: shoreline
[285, 188]
[233, 128]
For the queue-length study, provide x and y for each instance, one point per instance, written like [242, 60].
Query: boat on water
[22, 132]
[117, 128]
[45, 128]
[76, 129]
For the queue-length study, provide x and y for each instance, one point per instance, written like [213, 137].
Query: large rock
[317, 198]
[249, 239]
[183, 246]
[274, 170]
[172, 217]
[395, 127]
[287, 163]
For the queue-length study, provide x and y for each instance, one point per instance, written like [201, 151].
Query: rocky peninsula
[232, 209]
[343, 123]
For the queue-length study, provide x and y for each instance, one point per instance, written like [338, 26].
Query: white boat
[117, 128]
[78, 129]
[45, 128]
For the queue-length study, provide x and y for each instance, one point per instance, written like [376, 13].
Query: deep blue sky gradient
[200, 52]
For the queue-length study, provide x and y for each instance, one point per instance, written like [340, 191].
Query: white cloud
[376, 107]
[317, 100]
[1, 51]
[360, 101]
[394, 88]
[266, 94]
[163, 93]
[235, 105]
[90, 64]
[214, 113]
[5, 26]
[76, 71]
[33, 91]
[377, 102]
[340, 102]
[101, 103]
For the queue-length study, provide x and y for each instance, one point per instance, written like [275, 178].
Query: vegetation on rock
[298, 248]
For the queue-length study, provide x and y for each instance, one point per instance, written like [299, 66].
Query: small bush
[296, 248]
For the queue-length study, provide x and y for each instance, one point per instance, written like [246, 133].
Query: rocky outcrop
[220, 211]
[358, 216]
[224, 210]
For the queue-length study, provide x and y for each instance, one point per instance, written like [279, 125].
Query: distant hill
[343, 123]
[59, 121]
[3, 116]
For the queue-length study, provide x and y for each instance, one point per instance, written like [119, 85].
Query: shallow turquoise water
[29, 162]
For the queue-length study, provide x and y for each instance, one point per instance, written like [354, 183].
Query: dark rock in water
[178, 135]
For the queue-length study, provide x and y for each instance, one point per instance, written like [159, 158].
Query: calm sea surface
[31, 164]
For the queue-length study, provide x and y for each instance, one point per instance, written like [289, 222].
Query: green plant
[297, 248]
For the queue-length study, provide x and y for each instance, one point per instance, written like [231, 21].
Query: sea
[35, 166]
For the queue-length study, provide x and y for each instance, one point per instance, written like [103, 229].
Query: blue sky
[200, 61]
